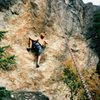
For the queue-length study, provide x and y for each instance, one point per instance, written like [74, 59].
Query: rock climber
[37, 46]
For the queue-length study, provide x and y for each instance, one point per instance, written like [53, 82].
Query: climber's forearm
[29, 42]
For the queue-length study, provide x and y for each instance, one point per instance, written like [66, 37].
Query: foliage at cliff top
[97, 23]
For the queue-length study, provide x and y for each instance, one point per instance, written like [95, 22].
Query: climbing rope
[75, 62]
[78, 72]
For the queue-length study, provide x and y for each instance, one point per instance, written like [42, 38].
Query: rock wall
[58, 19]
[72, 18]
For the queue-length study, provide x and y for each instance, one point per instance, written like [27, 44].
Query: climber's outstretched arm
[30, 40]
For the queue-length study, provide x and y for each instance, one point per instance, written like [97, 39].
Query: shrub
[96, 39]
[71, 80]
[4, 93]
[6, 60]
[96, 23]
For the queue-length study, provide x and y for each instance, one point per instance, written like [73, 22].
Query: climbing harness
[75, 62]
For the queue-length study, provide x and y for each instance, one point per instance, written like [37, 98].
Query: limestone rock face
[58, 19]
[74, 18]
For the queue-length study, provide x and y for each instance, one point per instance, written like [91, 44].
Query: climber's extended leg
[38, 57]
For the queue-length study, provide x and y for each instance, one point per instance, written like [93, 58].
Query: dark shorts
[36, 47]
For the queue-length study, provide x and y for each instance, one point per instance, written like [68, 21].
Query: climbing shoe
[37, 66]
[28, 49]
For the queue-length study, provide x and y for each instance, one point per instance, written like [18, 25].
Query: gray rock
[24, 95]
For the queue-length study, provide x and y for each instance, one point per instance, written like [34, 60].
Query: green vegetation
[2, 34]
[96, 24]
[93, 82]
[71, 80]
[96, 39]
[77, 91]
[4, 94]
[6, 60]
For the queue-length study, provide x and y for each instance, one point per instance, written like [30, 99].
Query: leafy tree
[96, 39]
[96, 23]
[6, 60]
[4, 94]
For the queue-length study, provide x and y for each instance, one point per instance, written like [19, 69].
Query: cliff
[58, 19]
